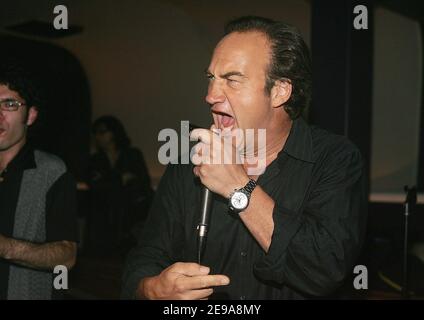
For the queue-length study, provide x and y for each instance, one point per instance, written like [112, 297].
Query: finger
[198, 148]
[215, 130]
[196, 159]
[202, 294]
[201, 148]
[200, 154]
[202, 282]
[196, 171]
[200, 172]
[190, 269]
[226, 132]
[203, 135]
[195, 155]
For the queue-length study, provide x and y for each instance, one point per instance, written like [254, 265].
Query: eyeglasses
[10, 105]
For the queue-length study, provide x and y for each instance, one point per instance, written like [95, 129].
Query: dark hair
[17, 77]
[290, 59]
[115, 126]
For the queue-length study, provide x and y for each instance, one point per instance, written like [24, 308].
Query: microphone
[204, 222]
[206, 201]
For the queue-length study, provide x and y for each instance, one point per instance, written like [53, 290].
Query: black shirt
[319, 223]
[130, 160]
[60, 206]
[116, 207]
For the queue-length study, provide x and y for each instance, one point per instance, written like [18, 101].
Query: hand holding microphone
[213, 174]
[203, 225]
[211, 157]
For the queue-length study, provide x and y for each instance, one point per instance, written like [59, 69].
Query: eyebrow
[227, 75]
[7, 99]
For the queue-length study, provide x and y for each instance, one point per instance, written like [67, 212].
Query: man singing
[301, 224]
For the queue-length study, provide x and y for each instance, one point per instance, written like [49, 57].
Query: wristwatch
[239, 199]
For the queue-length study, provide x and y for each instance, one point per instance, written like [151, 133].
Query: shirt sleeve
[313, 250]
[61, 206]
[162, 237]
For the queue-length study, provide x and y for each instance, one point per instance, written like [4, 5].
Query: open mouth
[2, 131]
[225, 120]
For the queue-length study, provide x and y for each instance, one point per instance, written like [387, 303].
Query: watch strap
[250, 186]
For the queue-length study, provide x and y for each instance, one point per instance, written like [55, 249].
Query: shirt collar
[299, 141]
[23, 160]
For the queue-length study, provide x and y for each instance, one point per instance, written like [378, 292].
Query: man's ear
[280, 93]
[32, 116]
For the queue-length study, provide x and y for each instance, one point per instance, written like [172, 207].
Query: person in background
[37, 197]
[120, 187]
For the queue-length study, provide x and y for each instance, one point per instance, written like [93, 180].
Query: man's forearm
[258, 217]
[39, 256]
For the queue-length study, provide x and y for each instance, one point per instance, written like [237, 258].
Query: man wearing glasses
[37, 198]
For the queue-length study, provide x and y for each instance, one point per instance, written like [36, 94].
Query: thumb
[190, 269]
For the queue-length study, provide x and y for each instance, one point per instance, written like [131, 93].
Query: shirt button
[242, 297]
[243, 254]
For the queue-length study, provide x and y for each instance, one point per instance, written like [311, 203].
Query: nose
[215, 93]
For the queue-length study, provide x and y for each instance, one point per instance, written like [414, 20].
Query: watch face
[239, 200]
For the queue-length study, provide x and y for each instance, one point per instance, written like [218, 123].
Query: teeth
[223, 113]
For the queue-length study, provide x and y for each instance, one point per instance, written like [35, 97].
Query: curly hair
[290, 59]
[17, 77]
